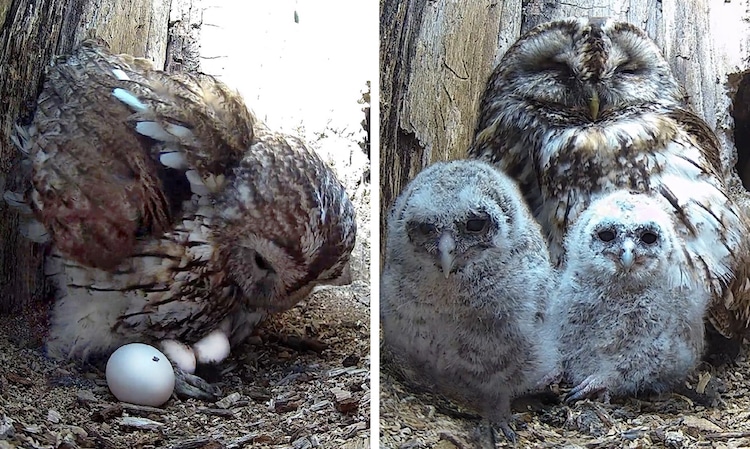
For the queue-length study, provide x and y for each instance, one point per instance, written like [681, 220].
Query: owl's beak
[446, 247]
[627, 257]
[594, 105]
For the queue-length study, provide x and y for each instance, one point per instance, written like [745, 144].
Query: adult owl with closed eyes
[584, 106]
[175, 216]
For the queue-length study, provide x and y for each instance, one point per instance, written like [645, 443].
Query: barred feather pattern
[171, 209]
[581, 107]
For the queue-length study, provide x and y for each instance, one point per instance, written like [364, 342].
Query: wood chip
[243, 440]
[727, 435]
[107, 413]
[352, 430]
[302, 443]
[139, 423]
[320, 405]
[224, 413]
[86, 397]
[351, 360]
[7, 431]
[228, 401]
[285, 405]
[21, 380]
[142, 409]
[53, 416]
[701, 424]
[340, 394]
[199, 443]
[101, 441]
[348, 406]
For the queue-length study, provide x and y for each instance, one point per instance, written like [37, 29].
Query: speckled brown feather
[581, 107]
[157, 253]
[97, 188]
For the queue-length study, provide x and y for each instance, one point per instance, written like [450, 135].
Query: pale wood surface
[437, 55]
[31, 34]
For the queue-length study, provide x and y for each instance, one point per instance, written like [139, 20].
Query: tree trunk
[436, 57]
[31, 34]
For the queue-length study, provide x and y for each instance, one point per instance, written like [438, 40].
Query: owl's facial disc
[627, 249]
[451, 245]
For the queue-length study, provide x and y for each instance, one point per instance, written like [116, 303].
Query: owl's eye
[426, 228]
[629, 69]
[649, 238]
[606, 235]
[550, 65]
[262, 263]
[476, 225]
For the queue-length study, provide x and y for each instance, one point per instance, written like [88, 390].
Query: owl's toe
[191, 386]
[591, 387]
[509, 433]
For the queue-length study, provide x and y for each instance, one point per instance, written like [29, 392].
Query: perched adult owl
[628, 314]
[581, 107]
[464, 288]
[175, 216]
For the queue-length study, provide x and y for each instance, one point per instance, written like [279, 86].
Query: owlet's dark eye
[649, 238]
[425, 228]
[606, 235]
[476, 224]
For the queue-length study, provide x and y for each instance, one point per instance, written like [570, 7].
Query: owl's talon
[589, 388]
[553, 377]
[191, 386]
[509, 433]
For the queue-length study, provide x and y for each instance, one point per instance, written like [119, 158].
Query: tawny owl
[629, 310]
[580, 107]
[175, 215]
[465, 287]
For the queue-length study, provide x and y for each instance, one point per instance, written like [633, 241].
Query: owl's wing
[96, 188]
[197, 124]
[729, 310]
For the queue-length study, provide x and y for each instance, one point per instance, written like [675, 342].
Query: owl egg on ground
[140, 374]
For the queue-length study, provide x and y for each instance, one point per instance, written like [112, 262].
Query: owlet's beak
[627, 257]
[446, 248]
[594, 105]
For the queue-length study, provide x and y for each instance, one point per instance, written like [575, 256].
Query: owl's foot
[553, 377]
[591, 387]
[213, 348]
[485, 435]
[191, 386]
[509, 433]
[499, 418]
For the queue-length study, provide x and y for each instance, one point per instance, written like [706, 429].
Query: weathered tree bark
[436, 57]
[31, 33]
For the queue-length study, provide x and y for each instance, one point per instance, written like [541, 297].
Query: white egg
[140, 374]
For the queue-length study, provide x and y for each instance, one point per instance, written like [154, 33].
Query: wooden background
[31, 33]
[257, 48]
[436, 56]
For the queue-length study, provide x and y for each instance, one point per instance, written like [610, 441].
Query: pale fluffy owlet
[175, 216]
[465, 286]
[629, 311]
[581, 107]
